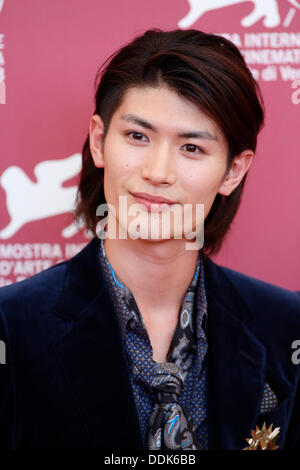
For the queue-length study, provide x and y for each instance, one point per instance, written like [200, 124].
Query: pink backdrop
[49, 54]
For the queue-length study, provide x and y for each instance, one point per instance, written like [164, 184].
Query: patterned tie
[169, 427]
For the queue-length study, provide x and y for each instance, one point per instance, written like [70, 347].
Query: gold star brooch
[263, 439]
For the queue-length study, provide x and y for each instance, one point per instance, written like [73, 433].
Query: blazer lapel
[236, 365]
[90, 353]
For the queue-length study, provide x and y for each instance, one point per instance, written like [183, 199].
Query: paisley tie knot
[167, 382]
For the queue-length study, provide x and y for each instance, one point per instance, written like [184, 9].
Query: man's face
[161, 144]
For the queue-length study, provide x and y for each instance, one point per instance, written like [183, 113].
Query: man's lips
[152, 204]
[152, 198]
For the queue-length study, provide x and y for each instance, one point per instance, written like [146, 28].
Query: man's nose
[159, 165]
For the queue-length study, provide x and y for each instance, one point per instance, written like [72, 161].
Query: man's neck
[157, 273]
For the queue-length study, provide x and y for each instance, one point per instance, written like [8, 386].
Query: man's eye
[191, 148]
[137, 136]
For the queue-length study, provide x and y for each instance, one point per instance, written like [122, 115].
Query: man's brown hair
[206, 69]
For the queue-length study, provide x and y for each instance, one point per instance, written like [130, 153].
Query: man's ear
[96, 131]
[239, 167]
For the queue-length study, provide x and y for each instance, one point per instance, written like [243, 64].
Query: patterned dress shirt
[139, 352]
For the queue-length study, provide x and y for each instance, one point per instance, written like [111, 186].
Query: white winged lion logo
[28, 201]
[266, 10]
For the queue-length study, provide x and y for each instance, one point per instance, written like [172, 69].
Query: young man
[139, 341]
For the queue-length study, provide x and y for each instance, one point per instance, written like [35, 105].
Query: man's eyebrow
[137, 120]
[187, 134]
[199, 134]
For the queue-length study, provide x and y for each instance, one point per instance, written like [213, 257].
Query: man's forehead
[132, 109]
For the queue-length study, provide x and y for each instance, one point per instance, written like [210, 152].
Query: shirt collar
[131, 313]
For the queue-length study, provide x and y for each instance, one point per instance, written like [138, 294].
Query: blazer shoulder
[264, 302]
[62, 290]
[272, 307]
[262, 290]
[37, 291]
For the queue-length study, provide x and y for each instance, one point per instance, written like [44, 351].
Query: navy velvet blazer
[65, 384]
